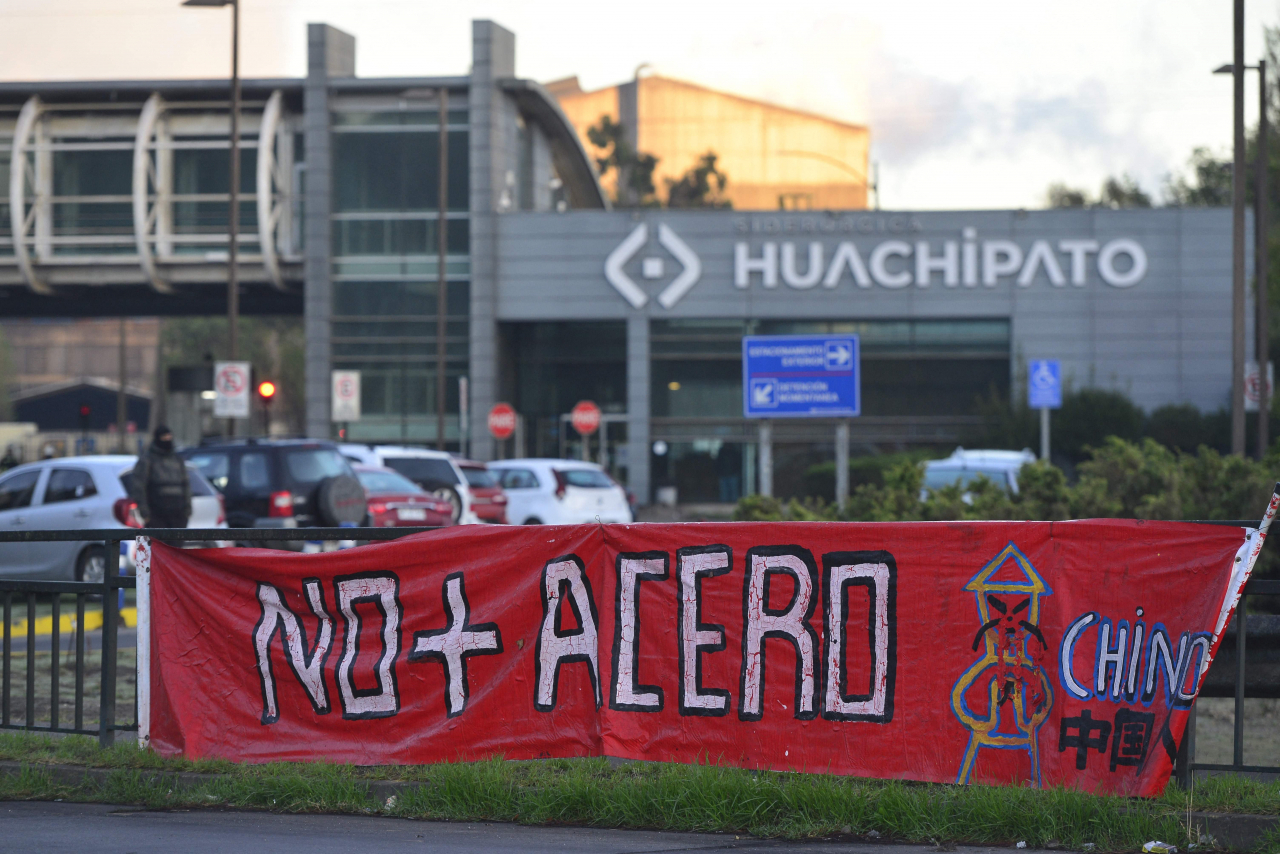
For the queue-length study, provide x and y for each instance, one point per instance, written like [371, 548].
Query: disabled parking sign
[1044, 384]
[801, 376]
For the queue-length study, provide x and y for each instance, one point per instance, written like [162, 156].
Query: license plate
[412, 514]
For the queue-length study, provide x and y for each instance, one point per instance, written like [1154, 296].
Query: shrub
[1120, 479]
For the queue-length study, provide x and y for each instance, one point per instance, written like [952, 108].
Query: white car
[435, 471]
[964, 467]
[560, 492]
[80, 492]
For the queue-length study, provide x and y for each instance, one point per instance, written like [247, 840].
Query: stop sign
[586, 417]
[502, 420]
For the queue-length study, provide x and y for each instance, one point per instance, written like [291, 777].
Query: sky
[970, 105]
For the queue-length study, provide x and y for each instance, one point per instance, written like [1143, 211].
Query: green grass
[590, 792]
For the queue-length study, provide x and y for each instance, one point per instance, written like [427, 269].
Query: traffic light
[266, 393]
[85, 412]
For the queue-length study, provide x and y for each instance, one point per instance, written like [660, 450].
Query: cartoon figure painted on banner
[1010, 675]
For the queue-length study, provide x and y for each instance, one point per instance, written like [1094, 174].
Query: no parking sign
[346, 396]
[231, 387]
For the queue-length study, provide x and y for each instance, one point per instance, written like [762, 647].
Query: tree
[274, 345]
[1059, 195]
[1123, 192]
[633, 170]
[1209, 184]
[700, 187]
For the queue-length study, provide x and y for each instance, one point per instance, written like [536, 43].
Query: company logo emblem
[652, 267]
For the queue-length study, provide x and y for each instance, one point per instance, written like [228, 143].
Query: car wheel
[532, 520]
[448, 493]
[91, 565]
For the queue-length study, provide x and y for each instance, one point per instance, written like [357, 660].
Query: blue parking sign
[1044, 384]
[800, 376]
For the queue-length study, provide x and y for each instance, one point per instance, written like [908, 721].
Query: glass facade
[6, 231]
[909, 367]
[86, 206]
[549, 367]
[385, 240]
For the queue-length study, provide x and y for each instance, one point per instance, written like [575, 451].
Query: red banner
[1062, 653]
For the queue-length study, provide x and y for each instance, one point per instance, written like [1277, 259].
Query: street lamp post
[1261, 225]
[233, 200]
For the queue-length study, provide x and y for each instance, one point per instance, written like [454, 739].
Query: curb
[1233, 831]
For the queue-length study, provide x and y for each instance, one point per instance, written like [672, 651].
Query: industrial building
[116, 205]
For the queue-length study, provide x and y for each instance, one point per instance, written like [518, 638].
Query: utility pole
[442, 249]
[233, 196]
[233, 211]
[122, 414]
[1261, 221]
[1237, 236]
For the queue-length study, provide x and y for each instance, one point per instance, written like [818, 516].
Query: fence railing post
[107, 706]
[1238, 736]
[142, 601]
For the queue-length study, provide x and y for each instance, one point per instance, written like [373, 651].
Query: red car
[488, 500]
[396, 501]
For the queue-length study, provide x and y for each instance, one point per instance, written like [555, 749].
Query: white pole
[842, 462]
[766, 457]
[142, 573]
[1044, 434]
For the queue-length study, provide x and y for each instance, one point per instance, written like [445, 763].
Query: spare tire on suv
[340, 500]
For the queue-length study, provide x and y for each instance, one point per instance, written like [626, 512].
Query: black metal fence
[1216, 681]
[16, 592]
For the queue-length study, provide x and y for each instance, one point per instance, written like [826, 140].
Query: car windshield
[936, 478]
[215, 466]
[386, 482]
[312, 465]
[479, 478]
[429, 472]
[586, 478]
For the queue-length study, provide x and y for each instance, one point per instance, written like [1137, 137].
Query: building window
[385, 242]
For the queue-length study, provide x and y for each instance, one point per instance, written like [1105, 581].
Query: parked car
[560, 492]
[488, 500]
[435, 471]
[396, 501]
[964, 467]
[80, 492]
[282, 483]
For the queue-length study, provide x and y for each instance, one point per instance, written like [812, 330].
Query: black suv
[282, 483]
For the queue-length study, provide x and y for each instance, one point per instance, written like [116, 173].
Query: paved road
[57, 827]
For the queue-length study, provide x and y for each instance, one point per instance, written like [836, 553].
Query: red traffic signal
[84, 411]
[266, 389]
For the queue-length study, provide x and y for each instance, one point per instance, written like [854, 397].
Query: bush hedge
[1120, 478]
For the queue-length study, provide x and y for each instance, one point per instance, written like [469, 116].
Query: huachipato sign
[1033, 653]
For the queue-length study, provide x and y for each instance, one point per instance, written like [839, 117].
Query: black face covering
[165, 444]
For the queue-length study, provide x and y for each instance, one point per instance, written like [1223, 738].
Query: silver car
[80, 492]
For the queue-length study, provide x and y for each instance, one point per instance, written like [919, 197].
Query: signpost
[1253, 386]
[802, 376]
[1044, 392]
[585, 418]
[231, 389]
[346, 396]
[502, 421]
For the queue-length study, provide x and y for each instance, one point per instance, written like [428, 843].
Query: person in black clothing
[160, 484]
